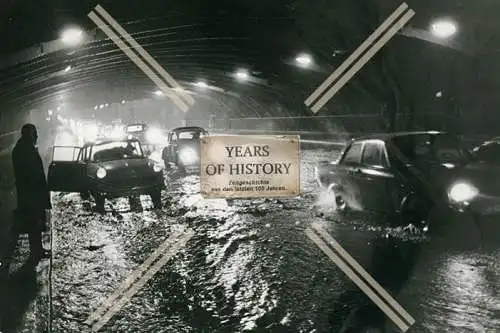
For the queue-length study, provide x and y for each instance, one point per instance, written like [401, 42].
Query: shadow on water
[391, 265]
[19, 290]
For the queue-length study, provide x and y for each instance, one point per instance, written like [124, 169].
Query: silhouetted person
[33, 195]
[130, 150]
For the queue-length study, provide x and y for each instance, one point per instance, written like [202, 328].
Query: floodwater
[250, 268]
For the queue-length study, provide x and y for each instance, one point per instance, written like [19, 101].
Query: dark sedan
[106, 170]
[183, 148]
[402, 174]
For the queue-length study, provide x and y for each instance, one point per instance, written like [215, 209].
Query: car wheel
[156, 198]
[135, 203]
[413, 211]
[99, 201]
[85, 195]
[341, 205]
[182, 169]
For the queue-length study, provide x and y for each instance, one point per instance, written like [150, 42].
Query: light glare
[444, 28]
[461, 192]
[304, 60]
[72, 36]
[201, 84]
[242, 75]
[154, 136]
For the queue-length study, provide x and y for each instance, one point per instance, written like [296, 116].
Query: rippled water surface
[249, 266]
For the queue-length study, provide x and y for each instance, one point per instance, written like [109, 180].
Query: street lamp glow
[123, 101]
[242, 75]
[159, 93]
[201, 84]
[444, 28]
[101, 106]
[304, 60]
[72, 36]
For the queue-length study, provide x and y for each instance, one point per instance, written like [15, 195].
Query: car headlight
[101, 173]
[462, 192]
[188, 156]
[156, 168]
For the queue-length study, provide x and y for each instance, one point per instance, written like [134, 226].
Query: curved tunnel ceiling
[197, 40]
[100, 72]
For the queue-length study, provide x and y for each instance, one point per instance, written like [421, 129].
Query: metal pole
[50, 273]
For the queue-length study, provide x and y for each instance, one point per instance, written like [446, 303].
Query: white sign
[135, 128]
[250, 166]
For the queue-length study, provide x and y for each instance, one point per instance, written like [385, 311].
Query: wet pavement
[251, 268]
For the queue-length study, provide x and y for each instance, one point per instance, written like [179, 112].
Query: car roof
[390, 136]
[103, 142]
[188, 128]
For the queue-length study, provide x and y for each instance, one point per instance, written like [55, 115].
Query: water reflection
[392, 263]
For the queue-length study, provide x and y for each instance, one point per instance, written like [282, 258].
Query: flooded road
[250, 268]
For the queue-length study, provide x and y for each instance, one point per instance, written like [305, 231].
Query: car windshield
[488, 152]
[440, 148]
[116, 151]
[189, 135]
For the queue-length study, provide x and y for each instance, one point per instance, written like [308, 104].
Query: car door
[67, 170]
[376, 178]
[349, 177]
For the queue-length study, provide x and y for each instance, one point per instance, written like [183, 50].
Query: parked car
[401, 174]
[183, 148]
[106, 170]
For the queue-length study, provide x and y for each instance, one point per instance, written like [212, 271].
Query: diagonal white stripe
[152, 62]
[114, 37]
[360, 283]
[362, 48]
[147, 276]
[366, 57]
[361, 271]
[134, 276]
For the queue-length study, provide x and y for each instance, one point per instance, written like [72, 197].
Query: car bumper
[486, 206]
[123, 190]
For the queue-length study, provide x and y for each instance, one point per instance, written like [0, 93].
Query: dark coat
[33, 195]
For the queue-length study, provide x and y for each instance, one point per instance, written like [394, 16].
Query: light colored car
[105, 170]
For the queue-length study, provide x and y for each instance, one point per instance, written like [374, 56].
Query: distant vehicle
[401, 174]
[183, 148]
[136, 131]
[105, 170]
[488, 151]
[152, 139]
